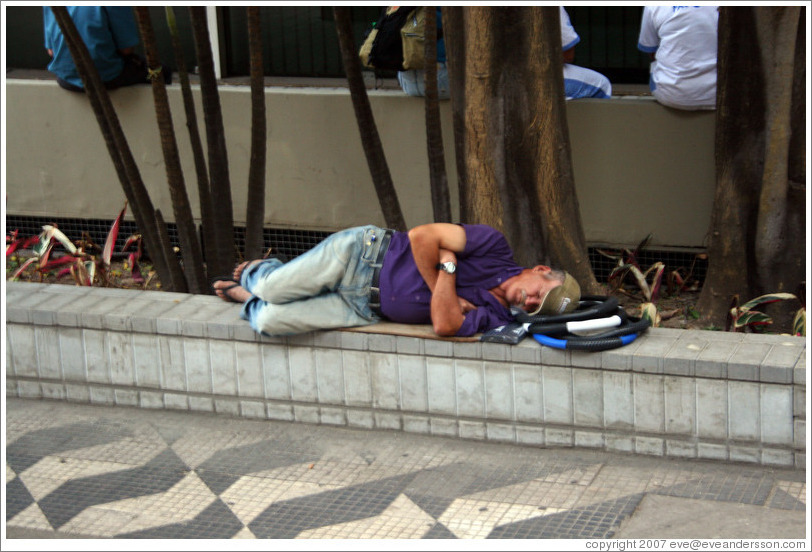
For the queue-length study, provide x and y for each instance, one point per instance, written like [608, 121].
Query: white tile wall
[557, 390]
[249, 370]
[691, 394]
[470, 389]
[385, 381]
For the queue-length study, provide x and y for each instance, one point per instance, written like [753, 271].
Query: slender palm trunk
[120, 154]
[440, 198]
[203, 191]
[255, 209]
[222, 259]
[381, 178]
[187, 235]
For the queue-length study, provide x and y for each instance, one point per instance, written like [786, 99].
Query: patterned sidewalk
[115, 472]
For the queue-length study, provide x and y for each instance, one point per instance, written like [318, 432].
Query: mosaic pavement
[129, 473]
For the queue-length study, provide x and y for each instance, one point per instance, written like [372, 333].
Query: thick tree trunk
[198, 155]
[516, 172]
[777, 29]
[757, 224]
[482, 147]
[222, 255]
[438, 180]
[371, 141]
[255, 208]
[119, 150]
[564, 242]
[187, 235]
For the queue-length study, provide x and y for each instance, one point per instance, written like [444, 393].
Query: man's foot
[242, 266]
[230, 291]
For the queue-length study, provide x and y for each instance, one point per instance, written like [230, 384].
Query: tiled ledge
[687, 394]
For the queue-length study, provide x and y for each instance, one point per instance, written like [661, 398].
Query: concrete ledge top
[762, 358]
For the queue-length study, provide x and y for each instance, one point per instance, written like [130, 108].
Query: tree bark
[482, 132]
[194, 270]
[371, 141]
[516, 168]
[255, 208]
[455, 40]
[438, 179]
[758, 216]
[221, 259]
[201, 171]
[564, 242]
[777, 29]
[119, 150]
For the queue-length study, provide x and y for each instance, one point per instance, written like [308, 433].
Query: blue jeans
[326, 287]
[413, 82]
[580, 82]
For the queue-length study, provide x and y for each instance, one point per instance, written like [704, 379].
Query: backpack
[383, 45]
[413, 37]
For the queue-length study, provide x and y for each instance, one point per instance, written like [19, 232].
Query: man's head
[543, 290]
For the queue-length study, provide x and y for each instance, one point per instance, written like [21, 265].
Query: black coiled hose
[554, 332]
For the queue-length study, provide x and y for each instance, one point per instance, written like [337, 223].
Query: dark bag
[383, 45]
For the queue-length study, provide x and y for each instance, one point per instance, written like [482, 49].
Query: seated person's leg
[412, 82]
[443, 91]
[580, 82]
[134, 72]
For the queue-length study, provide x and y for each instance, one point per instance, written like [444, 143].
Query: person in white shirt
[681, 41]
[579, 82]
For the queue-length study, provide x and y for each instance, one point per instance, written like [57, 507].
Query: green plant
[647, 281]
[682, 279]
[85, 261]
[648, 311]
[744, 317]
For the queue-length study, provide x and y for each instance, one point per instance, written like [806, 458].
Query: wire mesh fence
[288, 243]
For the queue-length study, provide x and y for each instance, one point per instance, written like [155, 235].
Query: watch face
[450, 267]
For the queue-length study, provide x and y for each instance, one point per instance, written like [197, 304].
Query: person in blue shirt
[111, 35]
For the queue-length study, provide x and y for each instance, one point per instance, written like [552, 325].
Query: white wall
[640, 167]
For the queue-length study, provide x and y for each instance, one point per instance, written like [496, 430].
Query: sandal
[224, 290]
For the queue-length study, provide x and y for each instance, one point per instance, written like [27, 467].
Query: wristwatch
[448, 267]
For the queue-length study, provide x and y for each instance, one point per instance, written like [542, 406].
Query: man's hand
[465, 305]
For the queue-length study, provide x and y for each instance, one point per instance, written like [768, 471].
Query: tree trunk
[438, 180]
[222, 259]
[371, 141]
[480, 144]
[201, 172]
[119, 150]
[255, 209]
[777, 29]
[564, 242]
[516, 163]
[187, 234]
[454, 33]
[758, 218]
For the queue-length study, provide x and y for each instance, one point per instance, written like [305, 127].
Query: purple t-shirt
[486, 262]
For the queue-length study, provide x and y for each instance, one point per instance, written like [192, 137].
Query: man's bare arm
[426, 242]
[432, 244]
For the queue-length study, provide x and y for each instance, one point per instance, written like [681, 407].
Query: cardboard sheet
[424, 331]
